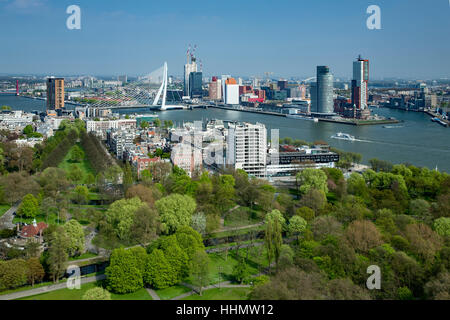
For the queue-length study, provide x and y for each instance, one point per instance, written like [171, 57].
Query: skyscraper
[360, 83]
[325, 103]
[55, 93]
[196, 84]
[191, 66]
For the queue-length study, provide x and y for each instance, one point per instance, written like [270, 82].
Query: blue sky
[247, 38]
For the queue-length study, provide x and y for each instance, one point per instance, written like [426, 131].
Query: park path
[53, 287]
[6, 221]
[225, 284]
[153, 294]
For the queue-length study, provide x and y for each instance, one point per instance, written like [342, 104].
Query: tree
[363, 235]
[13, 273]
[158, 272]
[424, 242]
[439, 288]
[81, 194]
[312, 179]
[176, 256]
[127, 176]
[58, 254]
[306, 213]
[16, 185]
[292, 284]
[29, 208]
[175, 211]
[273, 237]
[75, 234]
[276, 215]
[53, 182]
[120, 216]
[199, 270]
[297, 225]
[89, 179]
[314, 199]
[189, 240]
[144, 124]
[286, 257]
[344, 289]
[35, 271]
[146, 194]
[77, 154]
[224, 191]
[146, 225]
[75, 174]
[199, 222]
[419, 208]
[124, 274]
[356, 185]
[241, 271]
[97, 294]
[442, 226]
[381, 165]
[160, 171]
[157, 123]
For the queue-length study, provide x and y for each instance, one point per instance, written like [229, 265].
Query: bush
[97, 294]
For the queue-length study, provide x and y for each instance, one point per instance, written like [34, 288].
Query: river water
[417, 140]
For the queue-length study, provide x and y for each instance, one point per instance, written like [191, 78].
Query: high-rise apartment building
[360, 83]
[55, 93]
[231, 94]
[247, 148]
[196, 84]
[215, 89]
[322, 92]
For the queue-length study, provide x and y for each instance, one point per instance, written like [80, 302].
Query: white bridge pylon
[163, 90]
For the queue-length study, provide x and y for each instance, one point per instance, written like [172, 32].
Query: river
[417, 140]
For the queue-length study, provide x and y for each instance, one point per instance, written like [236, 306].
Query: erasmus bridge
[143, 93]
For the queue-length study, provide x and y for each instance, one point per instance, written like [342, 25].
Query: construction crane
[268, 74]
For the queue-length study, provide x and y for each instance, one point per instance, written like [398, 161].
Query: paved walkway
[7, 218]
[225, 284]
[153, 294]
[58, 286]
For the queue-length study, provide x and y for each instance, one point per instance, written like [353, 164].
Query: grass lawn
[66, 294]
[243, 217]
[3, 209]
[219, 262]
[85, 165]
[234, 232]
[172, 292]
[52, 219]
[222, 294]
[86, 255]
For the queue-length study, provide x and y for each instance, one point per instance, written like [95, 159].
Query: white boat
[298, 117]
[343, 136]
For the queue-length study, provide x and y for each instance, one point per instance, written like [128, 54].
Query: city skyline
[286, 38]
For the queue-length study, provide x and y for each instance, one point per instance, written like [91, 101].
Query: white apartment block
[247, 148]
[100, 127]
